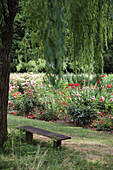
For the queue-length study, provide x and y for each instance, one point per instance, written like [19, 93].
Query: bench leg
[29, 137]
[56, 144]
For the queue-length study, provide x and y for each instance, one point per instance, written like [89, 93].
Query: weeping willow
[91, 25]
[88, 21]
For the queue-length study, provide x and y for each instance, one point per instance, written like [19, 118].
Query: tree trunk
[6, 36]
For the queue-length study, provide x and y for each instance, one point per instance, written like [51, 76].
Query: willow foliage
[46, 19]
[89, 23]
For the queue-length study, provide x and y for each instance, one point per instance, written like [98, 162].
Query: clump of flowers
[102, 122]
[34, 98]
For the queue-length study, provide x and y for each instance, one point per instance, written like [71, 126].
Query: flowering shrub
[32, 96]
[103, 122]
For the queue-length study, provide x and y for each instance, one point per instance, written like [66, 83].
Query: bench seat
[57, 138]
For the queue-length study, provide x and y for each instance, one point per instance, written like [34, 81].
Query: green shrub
[34, 66]
[48, 115]
[82, 116]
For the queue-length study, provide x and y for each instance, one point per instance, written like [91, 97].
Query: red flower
[109, 86]
[73, 84]
[102, 98]
[77, 84]
[44, 103]
[50, 102]
[100, 123]
[69, 85]
[39, 119]
[103, 75]
[30, 116]
[102, 113]
[93, 129]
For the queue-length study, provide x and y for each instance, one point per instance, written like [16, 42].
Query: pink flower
[93, 98]
[102, 98]
[111, 99]
[84, 80]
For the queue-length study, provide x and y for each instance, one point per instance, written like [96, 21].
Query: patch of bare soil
[94, 151]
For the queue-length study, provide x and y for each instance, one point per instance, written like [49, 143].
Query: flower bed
[87, 102]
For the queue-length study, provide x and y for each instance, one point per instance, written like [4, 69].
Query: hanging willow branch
[54, 46]
[90, 23]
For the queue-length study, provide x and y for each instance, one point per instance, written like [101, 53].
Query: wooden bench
[57, 138]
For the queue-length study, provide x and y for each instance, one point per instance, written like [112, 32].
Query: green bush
[32, 66]
[82, 116]
[48, 115]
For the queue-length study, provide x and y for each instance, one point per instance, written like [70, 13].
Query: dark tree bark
[9, 9]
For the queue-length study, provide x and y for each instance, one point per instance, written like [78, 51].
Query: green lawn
[86, 150]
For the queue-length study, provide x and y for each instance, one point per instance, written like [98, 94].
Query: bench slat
[44, 132]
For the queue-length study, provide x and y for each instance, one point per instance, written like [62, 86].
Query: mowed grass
[86, 150]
